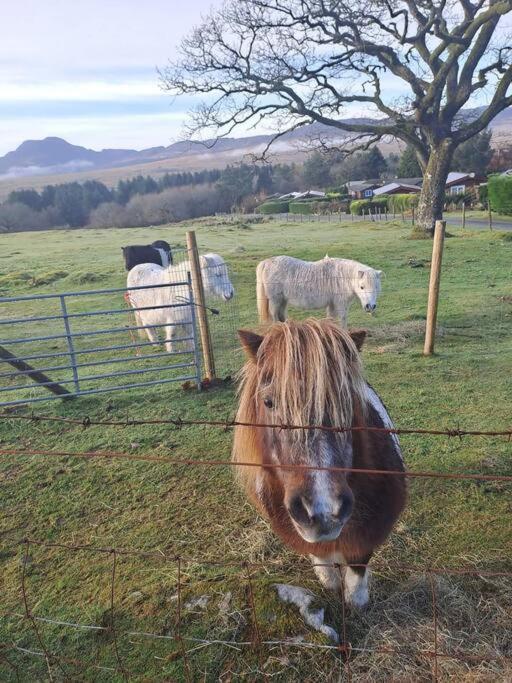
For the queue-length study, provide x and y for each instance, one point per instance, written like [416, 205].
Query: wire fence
[238, 626]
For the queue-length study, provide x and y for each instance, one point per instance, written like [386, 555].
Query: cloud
[26, 171]
[79, 90]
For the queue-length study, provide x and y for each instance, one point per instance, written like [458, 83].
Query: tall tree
[298, 61]
[474, 155]
[317, 170]
[377, 165]
[409, 166]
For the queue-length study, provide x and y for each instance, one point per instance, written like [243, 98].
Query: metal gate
[56, 349]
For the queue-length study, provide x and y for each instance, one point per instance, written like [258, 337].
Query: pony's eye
[268, 403]
[362, 287]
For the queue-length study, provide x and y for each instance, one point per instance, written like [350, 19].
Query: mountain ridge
[57, 156]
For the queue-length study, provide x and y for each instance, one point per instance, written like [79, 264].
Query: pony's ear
[251, 342]
[379, 272]
[360, 274]
[358, 337]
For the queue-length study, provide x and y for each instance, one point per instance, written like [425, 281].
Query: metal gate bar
[70, 337]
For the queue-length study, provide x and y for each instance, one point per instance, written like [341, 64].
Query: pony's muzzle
[227, 296]
[316, 523]
[370, 307]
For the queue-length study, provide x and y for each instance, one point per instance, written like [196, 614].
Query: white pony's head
[216, 277]
[367, 288]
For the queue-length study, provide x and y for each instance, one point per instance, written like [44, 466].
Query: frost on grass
[303, 599]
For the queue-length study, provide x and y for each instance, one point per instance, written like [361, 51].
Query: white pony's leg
[139, 323]
[337, 311]
[170, 331]
[277, 308]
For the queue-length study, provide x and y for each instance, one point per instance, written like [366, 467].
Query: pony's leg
[328, 570]
[356, 582]
[277, 310]
[139, 323]
[169, 338]
[339, 312]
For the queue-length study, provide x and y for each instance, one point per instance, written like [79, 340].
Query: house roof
[455, 177]
[408, 181]
[302, 195]
[360, 185]
[393, 187]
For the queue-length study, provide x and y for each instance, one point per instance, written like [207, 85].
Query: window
[368, 193]
[458, 189]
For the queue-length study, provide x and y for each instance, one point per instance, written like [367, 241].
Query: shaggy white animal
[332, 283]
[175, 318]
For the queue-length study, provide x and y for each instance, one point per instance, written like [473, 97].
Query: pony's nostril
[298, 511]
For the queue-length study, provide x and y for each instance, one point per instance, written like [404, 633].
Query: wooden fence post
[34, 374]
[199, 299]
[433, 288]
[412, 220]
[490, 213]
[463, 215]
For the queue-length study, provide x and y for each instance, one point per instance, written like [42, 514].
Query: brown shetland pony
[309, 373]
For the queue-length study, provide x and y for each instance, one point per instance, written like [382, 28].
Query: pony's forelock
[312, 372]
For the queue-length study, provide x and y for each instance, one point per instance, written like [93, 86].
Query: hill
[36, 163]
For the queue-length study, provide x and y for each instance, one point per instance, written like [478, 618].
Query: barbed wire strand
[112, 455]
[179, 423]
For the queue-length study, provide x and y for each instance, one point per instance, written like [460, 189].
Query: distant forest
[144, 201]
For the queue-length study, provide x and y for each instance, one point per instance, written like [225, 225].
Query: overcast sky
[85, 70]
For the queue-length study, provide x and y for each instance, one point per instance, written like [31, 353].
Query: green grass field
[198, 513]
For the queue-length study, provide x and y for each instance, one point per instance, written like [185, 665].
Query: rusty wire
[113, 455]
[179, 423]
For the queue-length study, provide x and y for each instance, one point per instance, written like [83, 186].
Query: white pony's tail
[261, 295]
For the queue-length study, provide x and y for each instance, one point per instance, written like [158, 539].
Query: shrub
[273, 207]
[456, 200]
[402, 202]
[500, 193]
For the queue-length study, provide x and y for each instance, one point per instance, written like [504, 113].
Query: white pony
[215, 280]
[332, 283]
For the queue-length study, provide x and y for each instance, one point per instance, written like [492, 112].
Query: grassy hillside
[197, 512]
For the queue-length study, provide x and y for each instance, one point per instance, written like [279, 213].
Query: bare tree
[414, 66]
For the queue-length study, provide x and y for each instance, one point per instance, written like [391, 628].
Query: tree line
[92, 202]
[336, 168]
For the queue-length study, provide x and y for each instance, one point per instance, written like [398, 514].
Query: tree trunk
[431, 201]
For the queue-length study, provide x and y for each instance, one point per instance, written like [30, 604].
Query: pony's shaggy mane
[312, 372]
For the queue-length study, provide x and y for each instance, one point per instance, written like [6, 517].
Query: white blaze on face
[377, 404]
[164, 255]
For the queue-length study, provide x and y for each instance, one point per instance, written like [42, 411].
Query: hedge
[322, 206]
[272, 207]
[373, 205]
[500, 193]
[305, 208]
